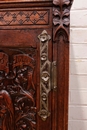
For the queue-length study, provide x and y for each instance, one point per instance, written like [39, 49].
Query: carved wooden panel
[17, 89]
[28, 17]
[25, 18]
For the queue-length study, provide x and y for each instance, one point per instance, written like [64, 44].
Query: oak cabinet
[34, 55]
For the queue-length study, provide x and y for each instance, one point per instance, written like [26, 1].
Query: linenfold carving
[61, 19]
[45, 77]
[17, 90]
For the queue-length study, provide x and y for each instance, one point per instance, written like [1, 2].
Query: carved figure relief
[6, 110]
[17, 90]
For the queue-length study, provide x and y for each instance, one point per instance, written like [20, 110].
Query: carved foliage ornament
[61, 17]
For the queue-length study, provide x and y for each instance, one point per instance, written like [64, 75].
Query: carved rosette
[45, 66]
[61, 19]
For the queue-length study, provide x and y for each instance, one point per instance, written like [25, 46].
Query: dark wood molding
[61, 32]
[22, 4]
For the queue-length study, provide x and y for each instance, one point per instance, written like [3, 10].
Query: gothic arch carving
[61, 32]
[61, 17]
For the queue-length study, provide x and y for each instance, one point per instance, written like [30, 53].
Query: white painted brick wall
[78, 67]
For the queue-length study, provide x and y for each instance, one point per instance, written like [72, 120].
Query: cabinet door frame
[61, 31]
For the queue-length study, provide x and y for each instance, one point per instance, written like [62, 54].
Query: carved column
[61, 26]
[61, 18]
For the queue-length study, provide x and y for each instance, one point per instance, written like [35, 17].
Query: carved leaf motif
[56, 21]
[66, 13]
[63, 2]
[56, 2]
[66, 22]
[65, 17]
[62, 19]
[56, 12]
[67, 2]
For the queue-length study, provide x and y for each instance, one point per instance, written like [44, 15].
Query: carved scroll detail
[45, 65]
[61, 18]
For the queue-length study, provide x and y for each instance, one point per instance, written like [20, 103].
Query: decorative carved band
[45, 85]
[61, 18]
[28, 17]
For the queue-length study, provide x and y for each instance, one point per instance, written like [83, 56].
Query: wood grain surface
[26, 55]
